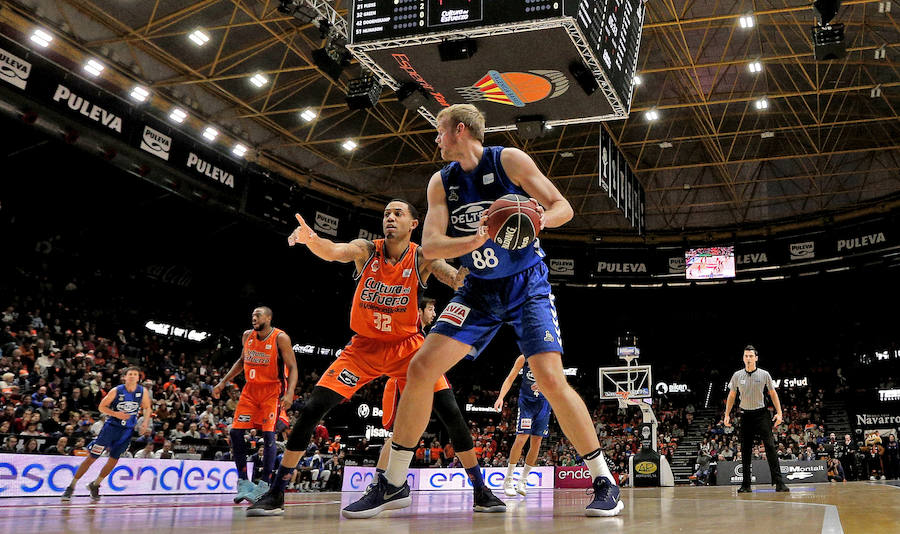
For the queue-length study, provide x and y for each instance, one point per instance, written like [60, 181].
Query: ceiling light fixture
[41, 37]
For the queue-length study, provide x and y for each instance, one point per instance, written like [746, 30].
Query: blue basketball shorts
[112, 438]
[534, 418]
[523, 301]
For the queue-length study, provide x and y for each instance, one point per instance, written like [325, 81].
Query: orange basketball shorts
[258, 407]
[365, 359]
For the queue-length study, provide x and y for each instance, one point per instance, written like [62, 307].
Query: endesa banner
[358, 478]
[573, 477]
[27, 475]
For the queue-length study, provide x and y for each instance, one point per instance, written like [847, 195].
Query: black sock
[282, 477]
[474, 473]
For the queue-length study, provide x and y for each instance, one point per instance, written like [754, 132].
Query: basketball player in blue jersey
[504, 286]
[121, 405]
[533, 421]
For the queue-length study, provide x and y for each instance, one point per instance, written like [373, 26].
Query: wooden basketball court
[863, 507]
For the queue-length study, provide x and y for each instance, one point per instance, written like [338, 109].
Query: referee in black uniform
[751, 381]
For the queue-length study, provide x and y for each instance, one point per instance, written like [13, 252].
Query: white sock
[509, 473]
[598, 468]
[398, 467]
[525, 470]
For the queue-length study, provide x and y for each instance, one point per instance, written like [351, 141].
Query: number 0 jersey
[468, 195]
[385, 305]
[262, 363]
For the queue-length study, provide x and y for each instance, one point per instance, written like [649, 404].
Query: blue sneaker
[379, 496]
[606, 501]
[261, 489]
[245, 489]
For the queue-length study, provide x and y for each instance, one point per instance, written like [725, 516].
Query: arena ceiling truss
[827, 139]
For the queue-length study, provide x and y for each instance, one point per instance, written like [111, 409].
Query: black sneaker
[95, 491]
[781, 488]
[486, 501]
[745, 489]
[67, 494]
[271, 503]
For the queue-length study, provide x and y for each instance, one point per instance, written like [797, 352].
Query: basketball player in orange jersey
[268, 363]
[384, 316]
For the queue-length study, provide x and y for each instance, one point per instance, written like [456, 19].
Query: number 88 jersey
[468, 195]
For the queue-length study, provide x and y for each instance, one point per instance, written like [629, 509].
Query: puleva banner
[358, 478]
[27, 475]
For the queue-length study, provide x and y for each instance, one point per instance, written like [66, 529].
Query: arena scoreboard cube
[524, 60]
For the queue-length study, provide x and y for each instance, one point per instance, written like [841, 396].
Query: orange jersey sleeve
[385, 304]
[262, 363]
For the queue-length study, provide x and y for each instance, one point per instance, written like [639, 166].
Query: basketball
[513, 221]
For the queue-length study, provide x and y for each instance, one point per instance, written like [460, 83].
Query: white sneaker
[522, 487]
[509, 488]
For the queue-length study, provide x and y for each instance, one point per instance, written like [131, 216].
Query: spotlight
[210, 133]
[412, 95]
[41, 37]
[308, 115]
[651, 115]
[530, 127]
[259, 80]
[324, 28]
[239, 150]
[199, 37]
[349, 145]
[637, 80]
[761, 104]
[457, 50]
[747, 21]
[93, 67]
[331, 61]
[139, 93]
[178, 115]
[754, 67]
[363, 92]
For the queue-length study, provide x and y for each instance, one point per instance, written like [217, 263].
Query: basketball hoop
[623, 398]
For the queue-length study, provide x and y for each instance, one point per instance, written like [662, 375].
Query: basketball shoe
[272, 503]
[486, 501]
[95, 491]
[509, 487]
[245, 489]
[522, 487]
[379, 496]
[606, 501]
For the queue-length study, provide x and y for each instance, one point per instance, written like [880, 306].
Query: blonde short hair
[468, 115]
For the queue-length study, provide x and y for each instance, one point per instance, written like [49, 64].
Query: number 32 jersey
[468, 195]
[385, 305]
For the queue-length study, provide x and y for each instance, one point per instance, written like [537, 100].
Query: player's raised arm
[287, 355]
[357, 250]
[435, 242]
[504, 389]
[523, 172]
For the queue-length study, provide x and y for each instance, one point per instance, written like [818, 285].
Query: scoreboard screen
[612, 28]
[375, 20]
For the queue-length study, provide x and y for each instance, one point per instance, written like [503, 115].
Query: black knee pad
[447, 410]
[320, 402]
